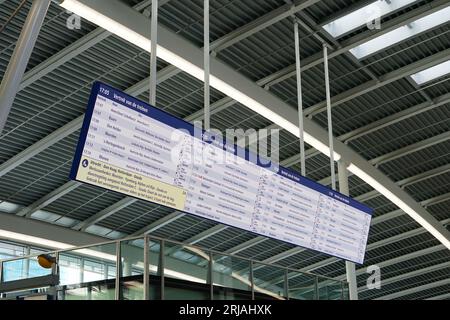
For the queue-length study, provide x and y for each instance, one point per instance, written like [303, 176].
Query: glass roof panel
[407, 31]
[363, 16]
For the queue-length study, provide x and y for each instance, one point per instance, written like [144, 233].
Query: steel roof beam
[380, 124]
[345, 46]
[87, 41]
[411, 274]
[427, 286]
[70, 52]
[245, 245]
[396, 154]
[49, 198]
[260, 23]
[206, 234]
[64, 131]
[440, 297]
[158, 224]
[383, 81]
[105, 213]
[395, 118]
[411, 148]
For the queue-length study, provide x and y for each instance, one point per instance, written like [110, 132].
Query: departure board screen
[138, 150]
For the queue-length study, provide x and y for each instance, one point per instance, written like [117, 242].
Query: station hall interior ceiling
[383, 109]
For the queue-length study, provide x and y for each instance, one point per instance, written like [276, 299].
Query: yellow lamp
[46, 261]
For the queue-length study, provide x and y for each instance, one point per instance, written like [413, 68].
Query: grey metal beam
[206, 234]
[427, 286]
[66, 130]
[383, 81]
[411, 148]
[49, 198]
[45, 230]
[21, 55]
[424, 176]
[436, 200]
[411, 274]
[358, 39]
[379, 124]
[420, 145]
[284, 255]
[158, 224]
[245, 245]
[260, 23]
[85, 44]
[402, 258]
[105, 213]
[395, 118]
[41, 145]
[444, 296]
[71, 51]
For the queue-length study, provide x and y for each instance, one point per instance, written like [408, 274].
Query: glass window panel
[301, 286]
[269, 282]
[185, 272]
[402, 33]
[154, 247]
[23, 269]
[432, 73]
[329, 289]
[89, 273]
[132, 270]
[231, 278]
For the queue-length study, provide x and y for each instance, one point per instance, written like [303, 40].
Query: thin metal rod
[211, 276]
[299, 101]
[20, 57]
[161, 267]
[286, 285]
[206, 65]
[146, 275]
[252, 280]
[330, 123]
[118, 271]
[349, 266]
[153, 53]
[3, 27]
[316, 287]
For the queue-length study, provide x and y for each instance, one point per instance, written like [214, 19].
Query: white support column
[349, 266]
[206, 63]
[330, 123]
[299, 99]
[20, 57]
[153, 53]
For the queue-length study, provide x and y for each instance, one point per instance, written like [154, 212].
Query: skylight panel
[363, 16]
[402, 33]
[432, 73]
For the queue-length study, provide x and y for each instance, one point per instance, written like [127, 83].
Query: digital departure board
[130, 147]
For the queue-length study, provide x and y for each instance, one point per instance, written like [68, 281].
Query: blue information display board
[130, 147]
